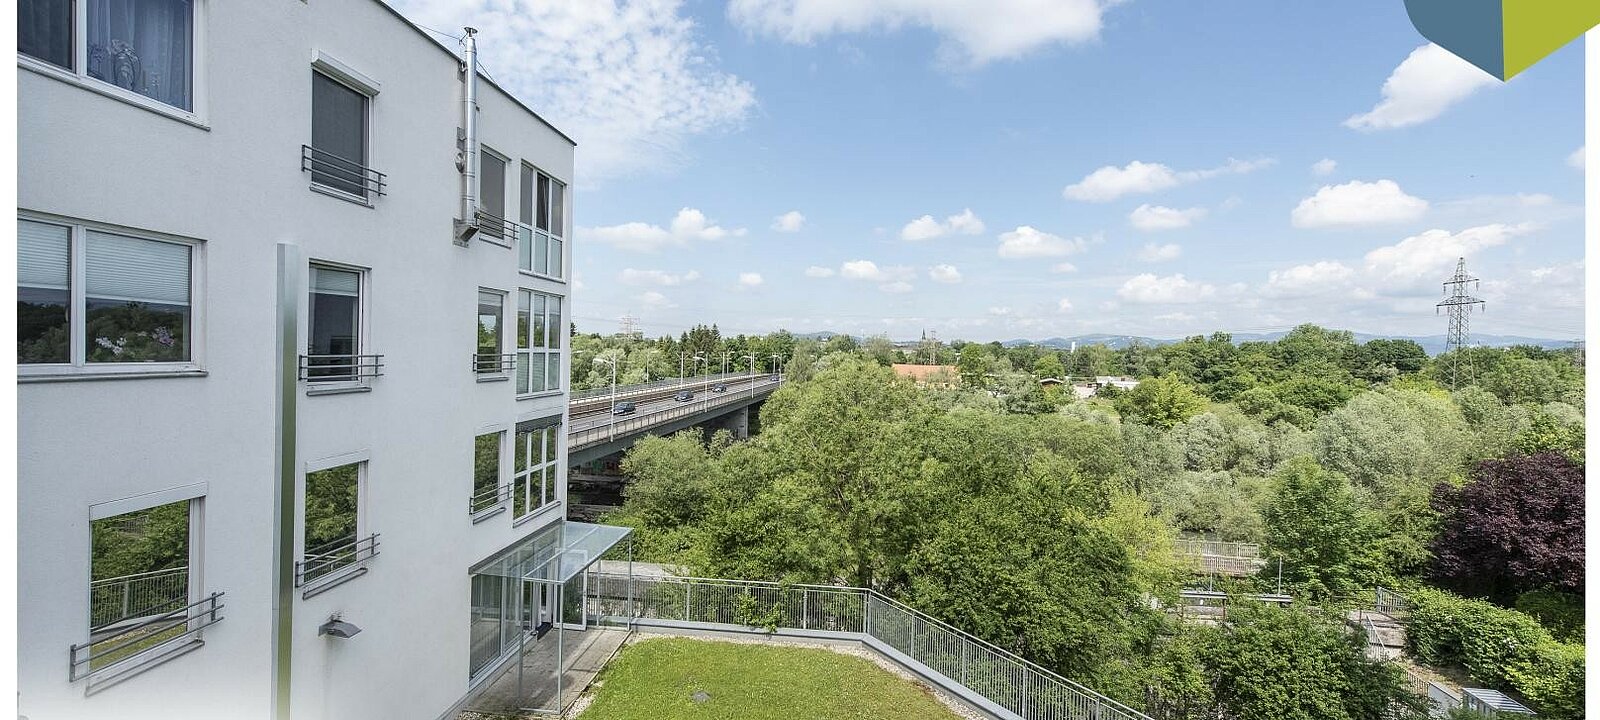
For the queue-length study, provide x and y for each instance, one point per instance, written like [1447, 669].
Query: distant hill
[1432, 344]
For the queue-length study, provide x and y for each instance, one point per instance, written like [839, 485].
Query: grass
[657, 679]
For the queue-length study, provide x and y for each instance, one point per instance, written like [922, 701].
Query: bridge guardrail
[583, 438]
[592, 394]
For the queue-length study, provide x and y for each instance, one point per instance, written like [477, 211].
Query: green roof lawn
[657, 679]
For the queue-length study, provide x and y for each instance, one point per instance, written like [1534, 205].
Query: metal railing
[147, 641]
[1391, 603]
[494, 363]
[974, 668]
[331, 557]
[495, 228]
[702, 402]
[1219, 548]
[340, 173]
[117, 599]
[488, 499]
[336, 368]
[604, 392]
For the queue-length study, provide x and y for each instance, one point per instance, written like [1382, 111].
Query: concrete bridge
[594, 432]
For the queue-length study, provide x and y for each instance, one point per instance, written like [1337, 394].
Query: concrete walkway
[585, 652]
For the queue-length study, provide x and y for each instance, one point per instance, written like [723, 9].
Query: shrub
[1504, 648]
[1560, 613]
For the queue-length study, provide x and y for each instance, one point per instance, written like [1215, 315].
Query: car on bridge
[684, 396]
[626, 407]
[719, 387]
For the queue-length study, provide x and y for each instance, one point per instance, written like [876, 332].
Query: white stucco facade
[227, 177]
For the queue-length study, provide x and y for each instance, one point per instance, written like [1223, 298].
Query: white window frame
[326, 66]
[362, 459]
[554, 235]
[496, 375]
[363, 333]
[79, 75]
[505, 194]
[558, 352]
[77, 366]
[554, 479]
[506, 448]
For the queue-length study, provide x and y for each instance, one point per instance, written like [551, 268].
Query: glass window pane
[137, 304]
[492, 186]
[335, 324]
[553, 373]
[525, 214]
[552, 436]
[524, 249]
[485, 468]
[544, 203]
[44, 31]
[536, 338]
[144, 46]
[339, 134]
[489, 614]
[558, 209]
[330, 518]
[541, 253]
[557, 269]
[519, 457]
[536, 376]
[44, 255]
[489, 331]
[139, 565]
[522, 372]
[553, 304]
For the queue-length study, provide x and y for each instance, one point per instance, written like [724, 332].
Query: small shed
[1492, 702]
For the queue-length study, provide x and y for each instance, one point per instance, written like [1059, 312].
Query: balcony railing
[149, 641]
[496, 229]
[323, 561]
[113, 601]
[342, 174]
[494, 363]
[340, 368]
[488, 498]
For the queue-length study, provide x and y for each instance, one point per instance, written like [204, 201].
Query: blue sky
[1153, 167]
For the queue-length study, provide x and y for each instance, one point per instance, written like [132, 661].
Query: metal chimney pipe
[467, 226]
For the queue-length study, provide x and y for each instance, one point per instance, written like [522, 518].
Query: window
[91, 297]
[489, 359]
[492, 191]
[44, 31]
[486, 492]
[333, 525]
[335, 325]
[144, 598]
[543, 209]
[338, 136]
[539, 331]
[535, 477]
[145, 47]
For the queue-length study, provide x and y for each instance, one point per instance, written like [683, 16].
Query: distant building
[928, 375]
[1085, 389]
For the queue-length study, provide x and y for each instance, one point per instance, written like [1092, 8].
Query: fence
[114, 600]
[581, 438]
[1220, 548]
[623, 391]
[974, 669]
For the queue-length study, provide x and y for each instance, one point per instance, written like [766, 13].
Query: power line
[1459, 305]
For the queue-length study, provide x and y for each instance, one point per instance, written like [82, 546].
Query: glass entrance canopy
[557, 554]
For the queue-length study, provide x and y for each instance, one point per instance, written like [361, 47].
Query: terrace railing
[993, 678]
[1219, 548]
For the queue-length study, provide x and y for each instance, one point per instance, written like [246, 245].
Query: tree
[1314, 525]
[1049, 366]
[1517, 526]
[1161, 402]
[974, 365]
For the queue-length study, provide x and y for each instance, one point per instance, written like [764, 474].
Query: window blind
[43, 255]
[327, 281]
[117, 267]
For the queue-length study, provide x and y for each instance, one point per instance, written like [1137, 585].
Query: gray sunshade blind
[43, 255]
[326, 281]
[117, 267]
[538, 423]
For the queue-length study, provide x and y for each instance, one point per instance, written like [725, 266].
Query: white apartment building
[293, 296]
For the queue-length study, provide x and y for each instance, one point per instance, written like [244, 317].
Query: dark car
[623, 408]
[719, 387]
[683, 396]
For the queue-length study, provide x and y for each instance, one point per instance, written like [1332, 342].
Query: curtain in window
[44, 30]
[145, 46]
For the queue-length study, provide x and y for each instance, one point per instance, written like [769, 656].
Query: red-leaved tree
[1517, 526]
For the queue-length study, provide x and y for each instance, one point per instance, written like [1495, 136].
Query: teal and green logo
[1503, 37]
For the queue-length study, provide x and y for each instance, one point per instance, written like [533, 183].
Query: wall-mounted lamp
[338, 628]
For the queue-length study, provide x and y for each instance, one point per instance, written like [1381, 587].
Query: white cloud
[1026, 242]
[944, 274]
[1427, 258]
[688, 225]
[817, 271]
[1308, 280]
[1324, 167]
[1358, 203]
[1172, 289]
[630, 276]
[927, 228]
[896, 287]
[1001, 311]
[749, 279]
[1152, 252]
[1421, 88]
[1064, 305]
[1065, 267]
[627, 79]
[789, 222]
[1576, 158]
[972, 33]
[653, 299]
[1110, 182]
[1155, 217]
[870, 271]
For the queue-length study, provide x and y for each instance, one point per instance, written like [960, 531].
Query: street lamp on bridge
[613, 363]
